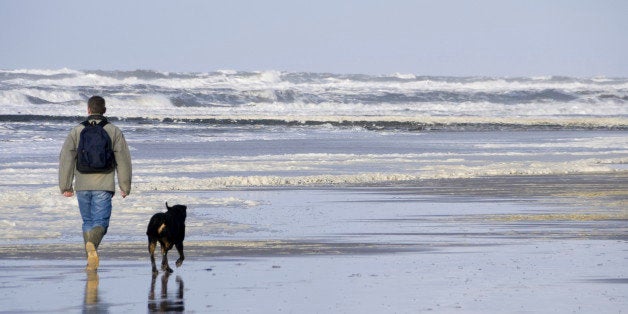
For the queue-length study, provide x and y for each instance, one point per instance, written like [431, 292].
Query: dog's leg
[181, 256]
[151, 249]
[164, 259]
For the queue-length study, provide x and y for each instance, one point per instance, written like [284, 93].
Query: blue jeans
[95, 207]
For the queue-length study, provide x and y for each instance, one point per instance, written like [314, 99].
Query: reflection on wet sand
[166, 302]
[92, 302]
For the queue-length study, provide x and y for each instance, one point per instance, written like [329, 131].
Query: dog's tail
[168, 207]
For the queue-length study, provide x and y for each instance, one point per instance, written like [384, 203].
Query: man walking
[94, 185]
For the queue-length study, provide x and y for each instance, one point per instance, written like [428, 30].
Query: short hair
[96, 105]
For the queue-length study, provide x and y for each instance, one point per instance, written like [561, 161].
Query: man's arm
[67, 162]
[123, 164]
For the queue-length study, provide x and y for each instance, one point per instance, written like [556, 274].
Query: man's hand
[68, 194]
[122, 194]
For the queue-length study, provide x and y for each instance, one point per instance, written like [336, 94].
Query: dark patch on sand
[610, 280]
[522, 188]
[207, 249]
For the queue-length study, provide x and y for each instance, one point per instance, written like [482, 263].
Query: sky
[441, 37]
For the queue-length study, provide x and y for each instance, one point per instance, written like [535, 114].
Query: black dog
[169, 229]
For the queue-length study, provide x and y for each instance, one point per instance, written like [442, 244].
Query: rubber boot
[96, 235]
[87, 250]
[92, 242]
[85, 237]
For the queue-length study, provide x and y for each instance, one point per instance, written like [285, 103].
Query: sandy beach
[484, 245]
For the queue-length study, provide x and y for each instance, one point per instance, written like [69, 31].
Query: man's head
[96, 105]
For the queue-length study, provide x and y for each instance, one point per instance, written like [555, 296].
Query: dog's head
[180, 210]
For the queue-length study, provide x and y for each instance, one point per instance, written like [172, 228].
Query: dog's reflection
[165, 302]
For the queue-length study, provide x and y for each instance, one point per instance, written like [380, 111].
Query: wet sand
[556, 275]
[489, 245]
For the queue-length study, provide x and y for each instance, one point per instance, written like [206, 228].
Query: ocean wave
[42, 72]
[229, 102]
[303, 80]
[318, 97]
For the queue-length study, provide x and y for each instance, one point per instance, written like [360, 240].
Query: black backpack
[95, 152]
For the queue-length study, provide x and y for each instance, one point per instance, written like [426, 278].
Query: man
[94, 190]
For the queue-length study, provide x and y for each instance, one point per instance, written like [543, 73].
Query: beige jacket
[94, 181]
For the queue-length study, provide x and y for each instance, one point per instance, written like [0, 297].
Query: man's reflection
[91, 303]
[166, 302]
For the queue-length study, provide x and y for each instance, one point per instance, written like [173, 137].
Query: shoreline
[498, 202]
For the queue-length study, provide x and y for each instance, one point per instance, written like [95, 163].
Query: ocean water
[226, 142]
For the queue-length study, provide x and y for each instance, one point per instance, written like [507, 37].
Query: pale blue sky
[440, 37]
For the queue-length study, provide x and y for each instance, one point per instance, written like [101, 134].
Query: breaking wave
[397, 100]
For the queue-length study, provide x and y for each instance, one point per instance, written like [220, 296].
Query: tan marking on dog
[161, 228]
[167, 246]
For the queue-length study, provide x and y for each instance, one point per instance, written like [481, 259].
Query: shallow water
[216, 169]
